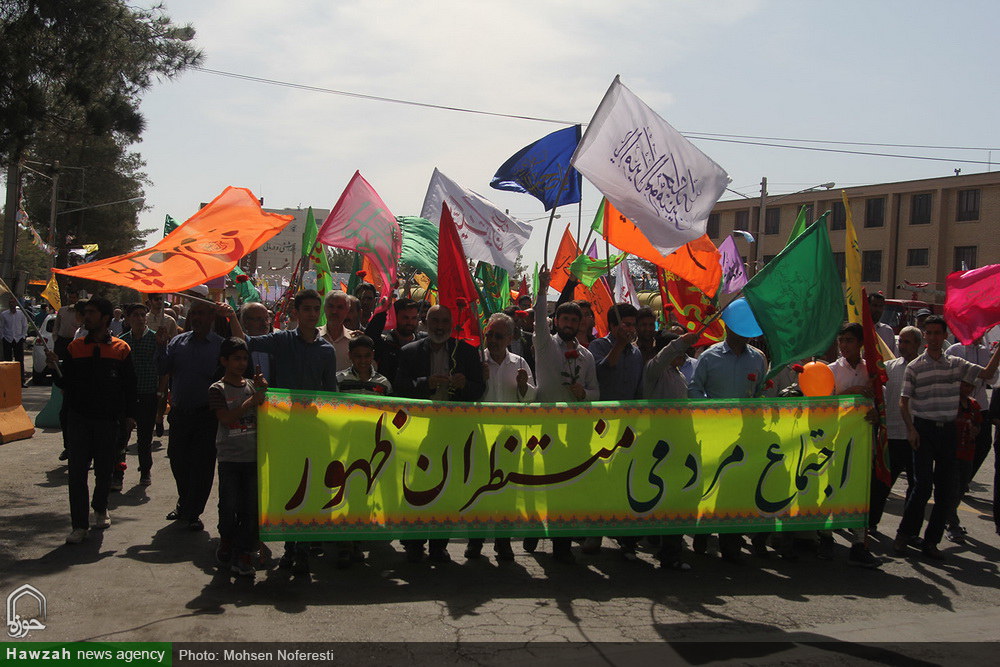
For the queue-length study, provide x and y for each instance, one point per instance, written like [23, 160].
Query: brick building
[918, 231]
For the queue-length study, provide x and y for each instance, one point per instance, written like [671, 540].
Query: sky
[897, 72]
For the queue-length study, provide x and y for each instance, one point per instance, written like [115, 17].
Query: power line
[705, 136]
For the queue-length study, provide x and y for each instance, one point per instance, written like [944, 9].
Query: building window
[742, 220]
[772, 220]
[920, 209]
[875, 212]
[968, 205]
[767, 258]
[712, 228]
[965, 254]
[839, 218]
[809, 213]
[871, 266]
[917, 256]
[840, 259]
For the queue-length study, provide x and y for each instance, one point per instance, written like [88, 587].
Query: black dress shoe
[530, 544]
[174, 515]
[196, 525]
[159, 430]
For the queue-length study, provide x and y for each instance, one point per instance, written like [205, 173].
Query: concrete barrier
[14, 421]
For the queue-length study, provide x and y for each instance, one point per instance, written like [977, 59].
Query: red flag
[972, 302]
[876, 373]
[455, 287]
[599, 295]
[690, 306]
[523, 289]
[206, 246]
[360, 221]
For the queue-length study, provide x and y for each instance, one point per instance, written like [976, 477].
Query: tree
[77, 68]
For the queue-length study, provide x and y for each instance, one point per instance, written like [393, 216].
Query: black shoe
[158, 429]
[64, 455]
[195, 525]
[529, 545]
[286, 561]
[932, 552]
[439, 556]
[174, 515]
[699, 544]
[300, 563]
[503, 549]
[862, 557]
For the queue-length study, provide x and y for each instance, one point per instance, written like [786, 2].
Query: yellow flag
[51, 293]
[852, 264]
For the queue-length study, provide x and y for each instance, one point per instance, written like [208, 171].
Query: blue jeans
[238, 505]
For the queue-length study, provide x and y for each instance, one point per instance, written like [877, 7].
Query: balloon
[816, 379]
[738, 317]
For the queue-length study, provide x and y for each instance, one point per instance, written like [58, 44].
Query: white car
[39, 373]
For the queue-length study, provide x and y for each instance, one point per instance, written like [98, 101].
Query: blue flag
[539, 169]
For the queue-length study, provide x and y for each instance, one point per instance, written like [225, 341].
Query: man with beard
[388, 344]
[565, 372]
[645, 330]
[336, 307]
[439, 368]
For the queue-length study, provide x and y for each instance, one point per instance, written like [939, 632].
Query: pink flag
[734, 277]
[363, 223]
[972, 302]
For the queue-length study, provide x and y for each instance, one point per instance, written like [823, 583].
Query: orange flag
[206, 246]
[697, 262]
[599, 296]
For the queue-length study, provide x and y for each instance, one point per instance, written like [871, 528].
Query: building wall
[896, 236]
[281, 253]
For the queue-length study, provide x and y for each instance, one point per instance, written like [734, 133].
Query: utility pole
[757, 232]
[10, 219]
[52, 210]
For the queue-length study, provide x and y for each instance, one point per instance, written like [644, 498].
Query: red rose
[521, 313]
[242, 278]
[798, 368]
[769, 384]
[361, 274]
[752, 377]
[572, 354]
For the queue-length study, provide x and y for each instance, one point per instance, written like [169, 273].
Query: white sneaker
[76, 536]
[101, 520]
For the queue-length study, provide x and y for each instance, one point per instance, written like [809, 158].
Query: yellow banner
[337, 466]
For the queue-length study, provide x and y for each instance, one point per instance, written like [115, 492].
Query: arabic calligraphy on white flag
[488, 234]
[654, 176]
[624, 288]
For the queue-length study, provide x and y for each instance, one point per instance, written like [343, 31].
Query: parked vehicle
[40, 375]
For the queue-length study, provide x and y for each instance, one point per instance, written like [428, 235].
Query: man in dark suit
[439, 368]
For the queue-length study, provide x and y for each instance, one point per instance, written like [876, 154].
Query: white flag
[488, 234]
[654, 176]
[624, 289]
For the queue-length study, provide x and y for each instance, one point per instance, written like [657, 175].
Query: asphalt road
[146, 579]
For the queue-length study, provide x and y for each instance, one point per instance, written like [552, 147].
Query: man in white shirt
[14, 326]
[900, 453]
[336, 305]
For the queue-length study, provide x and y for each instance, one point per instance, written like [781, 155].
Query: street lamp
[763, 209]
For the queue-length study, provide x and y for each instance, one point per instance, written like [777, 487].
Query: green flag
[244, 288]
[588, 271]
[354, 280]
[598, 224]
[797, 298]
[314, 257]
[420, 245]
[800, 226]
[495, 291]
[169, 225]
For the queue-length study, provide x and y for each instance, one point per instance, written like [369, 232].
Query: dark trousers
[238, 505]
[191, 449]
[89, 439]
[900, 460]
[983, 441]
[14, 351]
[435, 545]
[996, 480]
[144, 418]
[933, 472]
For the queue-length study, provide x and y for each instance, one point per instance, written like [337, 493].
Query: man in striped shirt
[929, 406]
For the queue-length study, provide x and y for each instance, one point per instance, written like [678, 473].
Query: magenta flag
[972, 302]
[362, 222]
[734, 277]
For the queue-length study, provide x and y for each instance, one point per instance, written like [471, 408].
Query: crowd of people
[206, 368]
